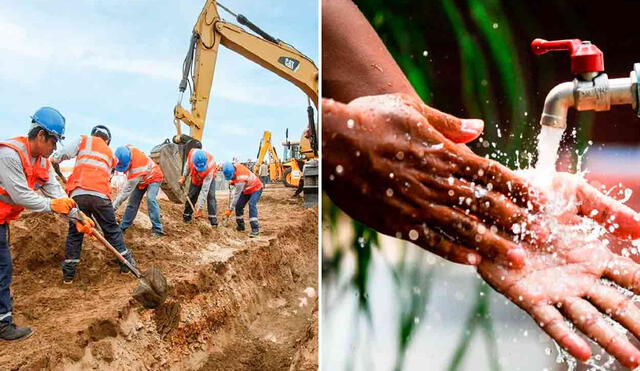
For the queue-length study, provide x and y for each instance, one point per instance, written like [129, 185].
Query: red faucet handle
[585, 57]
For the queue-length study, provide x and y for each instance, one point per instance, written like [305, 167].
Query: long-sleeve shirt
[67, 152]
[237, 191]
[126, 191]
[13, 180]
[204, 190]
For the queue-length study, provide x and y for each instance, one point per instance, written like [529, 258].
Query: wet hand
[395, 164]
[569, 196]
[198, 213]
[563, 282]
[227, 213]
[563, 277]
[182, 180]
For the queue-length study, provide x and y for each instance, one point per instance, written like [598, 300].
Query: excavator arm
[266, 147]
[209, 33]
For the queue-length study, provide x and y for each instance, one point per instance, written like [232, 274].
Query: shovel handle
[121, 258]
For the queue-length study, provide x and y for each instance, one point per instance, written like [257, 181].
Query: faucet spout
[588, 93]
[557, 104]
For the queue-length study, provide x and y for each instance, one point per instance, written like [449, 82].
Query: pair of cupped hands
[402, 168]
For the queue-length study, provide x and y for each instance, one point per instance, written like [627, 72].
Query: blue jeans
[252, 199]
[6, 273]
[152, 205]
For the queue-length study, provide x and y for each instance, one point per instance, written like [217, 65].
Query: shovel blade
[152, 290]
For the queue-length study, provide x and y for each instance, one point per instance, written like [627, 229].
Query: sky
[118, 63]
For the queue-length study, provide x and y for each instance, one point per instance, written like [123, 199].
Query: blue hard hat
[228, 170]
[123, 154]
[200, 160]
[50, 120]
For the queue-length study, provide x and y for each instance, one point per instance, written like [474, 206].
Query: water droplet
[495, 25]
[389, 192]
[425, 53]
[339, 169]
[398, 235]
[416, 320]
[350, 123]
[526, 113]
[331, 177]
[357, 153]
[450, 181]
[413, 235]
[400, 155]
[391, 175]
[489, 186]
[451, 192]
[482, 229]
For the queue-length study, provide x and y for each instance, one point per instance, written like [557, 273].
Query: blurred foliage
[469, 58]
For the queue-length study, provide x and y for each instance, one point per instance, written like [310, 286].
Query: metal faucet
[591, 89]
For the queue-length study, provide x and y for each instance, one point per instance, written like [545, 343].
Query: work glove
[198, 213]
[85, 226]
[227, 213]
[182, 180]
[62, 205]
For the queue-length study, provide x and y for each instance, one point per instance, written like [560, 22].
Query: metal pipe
[589, 93]
[556, 105]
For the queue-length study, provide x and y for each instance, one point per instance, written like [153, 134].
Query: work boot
[128, 257]
[9, 331]
[213, 221]
[186, 218]
[68, 272]
[254, 234]
[240, 227]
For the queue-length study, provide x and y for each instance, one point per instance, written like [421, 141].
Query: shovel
[152, 289]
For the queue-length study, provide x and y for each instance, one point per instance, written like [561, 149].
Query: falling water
[548, 145]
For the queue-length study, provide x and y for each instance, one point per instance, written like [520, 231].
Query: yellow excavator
[275, 166]
[209, 32]
[289, 170]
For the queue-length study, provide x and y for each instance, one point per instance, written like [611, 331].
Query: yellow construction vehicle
[209, 32]
[289, 170]
[275, 166]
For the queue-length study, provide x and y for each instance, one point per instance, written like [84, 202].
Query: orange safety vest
[245, 175]
[197, 177]
[37, 174]
[93, 167]
[142, 165]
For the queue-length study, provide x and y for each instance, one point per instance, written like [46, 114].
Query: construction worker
[89, 186]
[25, 168]
[143, 176]
[248, 188]
[203, 169]
[263, 172]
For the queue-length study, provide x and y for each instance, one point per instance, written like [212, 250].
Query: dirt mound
[235, 302]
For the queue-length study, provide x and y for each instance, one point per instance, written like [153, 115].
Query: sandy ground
[235, 304]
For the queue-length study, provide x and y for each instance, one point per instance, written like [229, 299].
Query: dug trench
[235, 303]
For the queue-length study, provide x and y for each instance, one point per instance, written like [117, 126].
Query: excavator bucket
[170, 158]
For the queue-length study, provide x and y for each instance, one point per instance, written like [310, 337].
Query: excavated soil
[235, 303]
